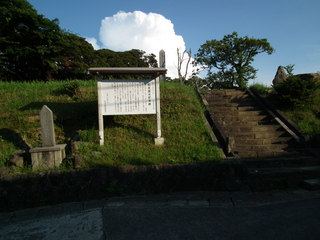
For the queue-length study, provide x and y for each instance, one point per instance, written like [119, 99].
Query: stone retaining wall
[53, 187]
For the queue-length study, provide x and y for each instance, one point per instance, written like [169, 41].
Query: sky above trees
[291, 27]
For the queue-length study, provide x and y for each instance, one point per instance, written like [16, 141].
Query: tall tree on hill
[232, 56]
[131, 58]
[33, 47]
[75, 59]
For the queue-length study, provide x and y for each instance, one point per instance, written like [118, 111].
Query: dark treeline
[33, 47]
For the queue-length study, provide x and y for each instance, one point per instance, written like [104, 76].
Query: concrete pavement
[186, 215]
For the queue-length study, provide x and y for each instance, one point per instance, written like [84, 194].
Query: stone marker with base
[50, 155]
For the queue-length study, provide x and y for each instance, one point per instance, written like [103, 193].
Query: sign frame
[111, 85]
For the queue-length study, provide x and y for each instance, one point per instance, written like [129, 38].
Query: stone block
[17, 159]
[47, 157]
[311, 184]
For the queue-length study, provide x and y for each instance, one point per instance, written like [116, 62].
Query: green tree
[132, 58]
[33, 47]
[232, 56]
[75, 59]
[27, 41]
[289, 69]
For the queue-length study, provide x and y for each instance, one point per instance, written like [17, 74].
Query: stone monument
[162, 64]
[280, 76]
[49, 155]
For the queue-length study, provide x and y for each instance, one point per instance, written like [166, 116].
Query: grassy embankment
[305, 115]
[129, 139]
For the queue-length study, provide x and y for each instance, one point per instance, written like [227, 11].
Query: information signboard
[123, 97]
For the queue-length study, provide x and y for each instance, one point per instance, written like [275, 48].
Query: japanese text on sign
[119, 97]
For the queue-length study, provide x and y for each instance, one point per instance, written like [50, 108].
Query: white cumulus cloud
[148, 32]
[93, 42]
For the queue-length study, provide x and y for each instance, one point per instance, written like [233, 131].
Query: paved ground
[189, 215]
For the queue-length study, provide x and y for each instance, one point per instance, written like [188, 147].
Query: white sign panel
[122, 97]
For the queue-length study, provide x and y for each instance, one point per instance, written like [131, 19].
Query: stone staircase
[283, 173]
[249, 131]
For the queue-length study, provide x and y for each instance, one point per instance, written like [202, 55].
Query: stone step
[266, 154]
[296, 161]
[225, 92]
[234, 92]
[272, 173]
[267, 147]
[240, 113]
[267, 179]
[223, 117]
[264, 141]
[257, 135]
[246, 123]
[234, 104]
[251, 131]
[258, 128]
[252, 113]
[237, 109]
[230, 98]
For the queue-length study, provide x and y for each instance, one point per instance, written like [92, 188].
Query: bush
[261, 88]
[295, 91]
[71, 88]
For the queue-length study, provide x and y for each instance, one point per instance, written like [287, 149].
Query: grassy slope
[306, 116]
[128, 139]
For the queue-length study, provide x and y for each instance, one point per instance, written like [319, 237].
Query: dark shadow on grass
[70, 116]
[73, 117]
[15, 138]
[19, 143]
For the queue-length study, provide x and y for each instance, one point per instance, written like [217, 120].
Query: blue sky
[291, 26]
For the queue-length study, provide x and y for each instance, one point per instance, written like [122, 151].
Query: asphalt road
[192, 215]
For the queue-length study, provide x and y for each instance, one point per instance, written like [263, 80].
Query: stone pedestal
[47, 157]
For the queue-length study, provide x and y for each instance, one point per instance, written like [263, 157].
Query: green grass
[261, 88]
[307, 117]
[129, 139]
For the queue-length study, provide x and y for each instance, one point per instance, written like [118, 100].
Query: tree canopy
[33, 47]
[232, 56]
